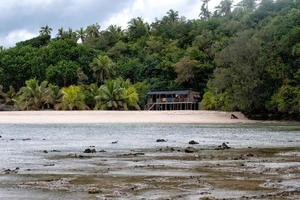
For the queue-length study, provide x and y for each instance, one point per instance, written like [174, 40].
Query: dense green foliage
[243, 57]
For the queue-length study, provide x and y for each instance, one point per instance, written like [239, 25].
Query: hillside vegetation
[243, 57]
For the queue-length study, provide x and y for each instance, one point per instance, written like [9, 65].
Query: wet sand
[162, 173]
[59, 117]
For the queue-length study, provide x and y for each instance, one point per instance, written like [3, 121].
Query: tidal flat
[149, 161]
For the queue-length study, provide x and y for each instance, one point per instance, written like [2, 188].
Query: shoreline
[98, 117]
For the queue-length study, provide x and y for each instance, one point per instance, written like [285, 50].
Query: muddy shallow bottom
[47, 162]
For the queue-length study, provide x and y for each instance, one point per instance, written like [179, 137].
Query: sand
[57, 117]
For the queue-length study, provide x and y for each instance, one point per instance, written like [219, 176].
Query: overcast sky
[22, 19]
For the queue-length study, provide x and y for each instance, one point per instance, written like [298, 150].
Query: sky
[22, 19]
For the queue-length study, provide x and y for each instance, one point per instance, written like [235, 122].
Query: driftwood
[233, 116]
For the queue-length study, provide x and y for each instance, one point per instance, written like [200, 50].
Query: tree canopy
[241, 57]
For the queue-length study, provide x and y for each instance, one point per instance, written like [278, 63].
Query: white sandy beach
[56, 117]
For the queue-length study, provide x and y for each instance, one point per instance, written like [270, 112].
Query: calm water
[15, 151]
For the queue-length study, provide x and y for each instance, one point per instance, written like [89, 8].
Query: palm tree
[117, 95]
[131, 95]
[60, 32]
[102, 67]
[35, 96]
[45, 30]
[93, 31]
[72, 98]
[173, 15]
[81, 34]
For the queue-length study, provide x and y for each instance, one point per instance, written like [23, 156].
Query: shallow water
[17, 151]
[23, 145]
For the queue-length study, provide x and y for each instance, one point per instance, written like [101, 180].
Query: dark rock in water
[49, 165]
[54, 150]
[45, 151]
[102, 151]
[193, 142]
[44, 139]
[190, 150]
[26, 139]
[161, 140]
[115, 142]
[223, 147]
[90, 150]
[17, 168]
[12, 139]
[9, 171]
[0, 136]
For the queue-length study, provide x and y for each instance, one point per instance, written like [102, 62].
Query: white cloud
[16, 36]
[151, 9]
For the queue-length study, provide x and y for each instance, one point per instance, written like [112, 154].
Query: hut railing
[172, 106]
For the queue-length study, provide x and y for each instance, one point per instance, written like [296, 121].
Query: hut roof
[179, 92]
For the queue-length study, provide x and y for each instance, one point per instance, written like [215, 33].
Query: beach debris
[91, 149]
[223, 147]
[115, 142]
[233, 116]
[190, 150]
[193, 142]
[161, 140]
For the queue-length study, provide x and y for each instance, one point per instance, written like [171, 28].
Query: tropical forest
[241, 56]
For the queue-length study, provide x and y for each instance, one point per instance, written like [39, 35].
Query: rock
[223, 147]
[94, 191]
[9, 171]
[133, 154]
[250, 155]
[193, 142]
[161, 140]
[54, 150]
[115, 142]
[12, 139]
[0, 136]
[190, 150]
[26, 139]
[89, 150]
[45, 151]
[49, 165]
[102, 151]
